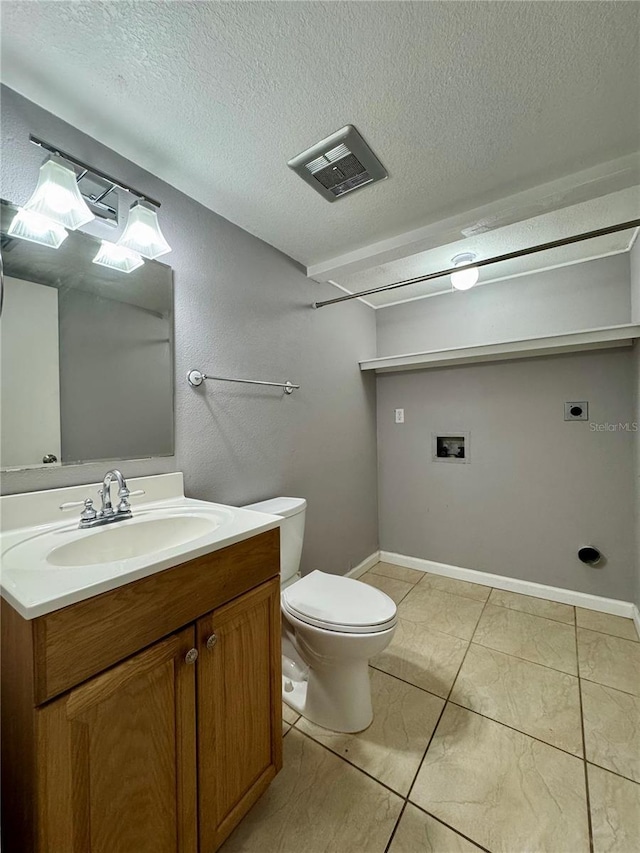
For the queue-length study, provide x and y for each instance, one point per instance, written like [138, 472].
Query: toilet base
[338, 698]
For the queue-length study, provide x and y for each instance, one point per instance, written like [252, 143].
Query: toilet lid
[339, 604]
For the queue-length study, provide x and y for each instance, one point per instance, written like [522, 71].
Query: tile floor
[502, 722]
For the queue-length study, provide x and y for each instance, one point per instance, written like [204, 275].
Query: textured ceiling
[464, 103]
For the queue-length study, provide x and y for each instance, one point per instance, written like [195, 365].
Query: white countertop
[33, 586]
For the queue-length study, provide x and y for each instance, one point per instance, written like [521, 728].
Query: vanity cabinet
[164, 748]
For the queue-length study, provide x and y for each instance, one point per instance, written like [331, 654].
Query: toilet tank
[293, 511]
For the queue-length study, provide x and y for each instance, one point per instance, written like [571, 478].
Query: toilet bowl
[331, 627]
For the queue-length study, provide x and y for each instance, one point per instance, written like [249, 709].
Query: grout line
[528, 660]
[449, 826]
[609, 686]
[397, 603]
[514, 729]
[410, 683]
[605, 633]
[537, 615]
[446, 702]
[613, 772]
[584, 746]
[479, 714]
[448, 591]
[350, 763]
[395, 826]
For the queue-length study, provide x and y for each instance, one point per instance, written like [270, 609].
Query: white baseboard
[364, 566]
[537, 590]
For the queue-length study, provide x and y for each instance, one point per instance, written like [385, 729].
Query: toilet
[331, 627]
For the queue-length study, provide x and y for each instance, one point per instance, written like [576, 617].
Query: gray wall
[242, 309]
[534, 481]
[583, 296]
[116, 393]
[635, 318]
[536, 488]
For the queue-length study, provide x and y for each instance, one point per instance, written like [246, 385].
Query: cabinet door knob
[212, 641]
[191, 656]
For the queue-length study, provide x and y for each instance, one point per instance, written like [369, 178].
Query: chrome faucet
[107, 510]
[107, 514]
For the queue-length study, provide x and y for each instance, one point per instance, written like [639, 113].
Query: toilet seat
[336, 603]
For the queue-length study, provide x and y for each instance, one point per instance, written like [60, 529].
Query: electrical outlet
[399, 416]
[577, 411]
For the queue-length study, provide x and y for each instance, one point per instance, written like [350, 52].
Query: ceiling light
[143, 234]
[27, 225]
[57, 196]
[117, 257]
[466, 278]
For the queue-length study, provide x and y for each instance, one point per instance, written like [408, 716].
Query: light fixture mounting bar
[509, 256]
[85, 167]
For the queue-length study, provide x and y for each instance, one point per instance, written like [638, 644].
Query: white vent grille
[336, 169]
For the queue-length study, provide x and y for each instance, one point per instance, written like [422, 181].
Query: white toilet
[331, 627]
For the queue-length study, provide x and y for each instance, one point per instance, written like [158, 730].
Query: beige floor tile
[533, 638]
[426, 658]
[288, 714]
[615, 812]
[441, 611]
[536, 606]
[395, 589]
[400, 573]
[612, 728]
[609, 660]
[618, 626]
[506, 791]
[465, 588]
[392, 748]
[319, 804]
[534, 699]
[417, 832]
[285, 727]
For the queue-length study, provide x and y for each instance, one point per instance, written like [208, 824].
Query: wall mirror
[86, 355]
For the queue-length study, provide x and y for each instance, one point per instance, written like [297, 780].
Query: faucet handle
[124, 495]
[88, 513]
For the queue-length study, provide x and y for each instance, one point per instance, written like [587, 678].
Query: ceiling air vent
[339, 164]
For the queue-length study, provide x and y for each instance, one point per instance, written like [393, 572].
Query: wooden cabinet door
[239, 709]
[117, 758]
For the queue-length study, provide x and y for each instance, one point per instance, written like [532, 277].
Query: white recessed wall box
[339, 164]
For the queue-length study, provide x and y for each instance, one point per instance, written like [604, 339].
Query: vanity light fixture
[117, 257]
[57, 196]
[27, 225]
[467, 277]
[60, 203]
[142, 233]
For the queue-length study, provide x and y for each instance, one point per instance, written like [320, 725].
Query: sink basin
[48, 562]
[122, 541]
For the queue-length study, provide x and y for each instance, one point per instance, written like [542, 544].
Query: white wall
[29, 374]
[635, 318]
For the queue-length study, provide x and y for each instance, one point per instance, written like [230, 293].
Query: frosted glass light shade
[117, 258]
[465, 279]
[27, 225]
[142, 234]
[57, 196]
